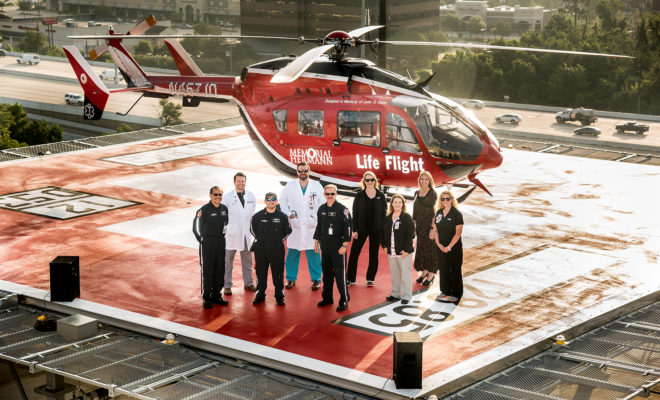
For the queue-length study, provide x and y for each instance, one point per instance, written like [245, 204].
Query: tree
[451, 23]
[475, 24]
[502, 28]
[6, 141]
[24, 5]
[33, 42]
[610, 14]
[124, 127]
[171, 113]
[39, 132]
[143, 47]
[4, 4]
[21, 131]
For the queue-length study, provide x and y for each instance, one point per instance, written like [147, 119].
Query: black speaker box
[407, 360]
[64, 278]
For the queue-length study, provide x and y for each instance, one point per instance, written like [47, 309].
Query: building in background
[310, 18]
[521, 18]
[222, 12]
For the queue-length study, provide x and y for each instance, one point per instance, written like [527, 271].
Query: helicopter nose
[493, 157]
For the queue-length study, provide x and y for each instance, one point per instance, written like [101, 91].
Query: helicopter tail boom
[96, 93]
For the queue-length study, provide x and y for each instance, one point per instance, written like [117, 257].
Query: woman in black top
[426, 260]
[368, 213]
[398, 235]
[447, 230]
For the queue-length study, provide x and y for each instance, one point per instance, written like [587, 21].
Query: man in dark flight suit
[209, 228]
[269, 227]
[332, 235]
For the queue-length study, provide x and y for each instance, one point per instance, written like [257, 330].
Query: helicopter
[342, 115]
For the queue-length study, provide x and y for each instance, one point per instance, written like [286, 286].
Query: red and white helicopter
[342, 115]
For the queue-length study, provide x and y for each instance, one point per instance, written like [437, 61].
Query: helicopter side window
[279, 116]
[359, 127]
[399, 135]
[310, 123]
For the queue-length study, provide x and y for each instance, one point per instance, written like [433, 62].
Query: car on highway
[74, 98]
[587, 130]
[513, 119]
[473, 104]
[109, 74]
[185, 26]
[28, 59]
[632, 126]
[3, 52]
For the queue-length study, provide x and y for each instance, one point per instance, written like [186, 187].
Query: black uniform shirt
[333, 222]
[210, 221]
[269, 228]
[446, 225]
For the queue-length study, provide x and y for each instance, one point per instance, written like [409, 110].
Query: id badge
[330, 230]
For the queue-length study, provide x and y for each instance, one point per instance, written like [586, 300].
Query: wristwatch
[344, 246]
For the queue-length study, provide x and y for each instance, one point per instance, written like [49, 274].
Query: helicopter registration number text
[193, 87]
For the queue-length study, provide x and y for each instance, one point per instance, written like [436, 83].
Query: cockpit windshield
[444, 131]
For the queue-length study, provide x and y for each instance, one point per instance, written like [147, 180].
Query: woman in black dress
[369, 209]
[426, 263]
[447, 230]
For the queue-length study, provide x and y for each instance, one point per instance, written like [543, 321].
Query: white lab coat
[238, 228]
[306, 207]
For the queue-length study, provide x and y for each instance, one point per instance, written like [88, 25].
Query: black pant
[449, 267]
[273, 255]
[334, 270]
[212, 260]
[356, 248]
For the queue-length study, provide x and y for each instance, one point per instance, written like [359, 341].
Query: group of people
[311, 220]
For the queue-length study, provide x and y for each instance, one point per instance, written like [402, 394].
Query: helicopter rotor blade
[98, 51]
[182, 37]
[292, 71]
[361, 31]
[143, 26]
[487, 46]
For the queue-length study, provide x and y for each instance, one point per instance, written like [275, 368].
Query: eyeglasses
[370, 179]
[217, 194]
[445, 198]
[330, 194]
[271, 199]
[304, 171]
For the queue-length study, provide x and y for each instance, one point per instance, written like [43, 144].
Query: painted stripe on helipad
[183, 151]
[485, 292]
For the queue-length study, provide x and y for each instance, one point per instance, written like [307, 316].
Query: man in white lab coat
[300, 200]
[241, 205]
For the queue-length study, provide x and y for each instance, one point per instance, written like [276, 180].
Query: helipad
[564, 244]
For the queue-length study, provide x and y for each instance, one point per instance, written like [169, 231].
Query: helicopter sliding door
[307, 142]
[402, 154]
[358, 141]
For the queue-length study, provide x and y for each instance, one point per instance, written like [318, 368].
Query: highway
[52, 91]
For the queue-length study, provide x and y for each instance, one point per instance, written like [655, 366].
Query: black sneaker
[316, 285]
[280, 302]
[220, 301]
[323, 303]
[391, 298]
[342, 307]
[207, 304]
[258, 300]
